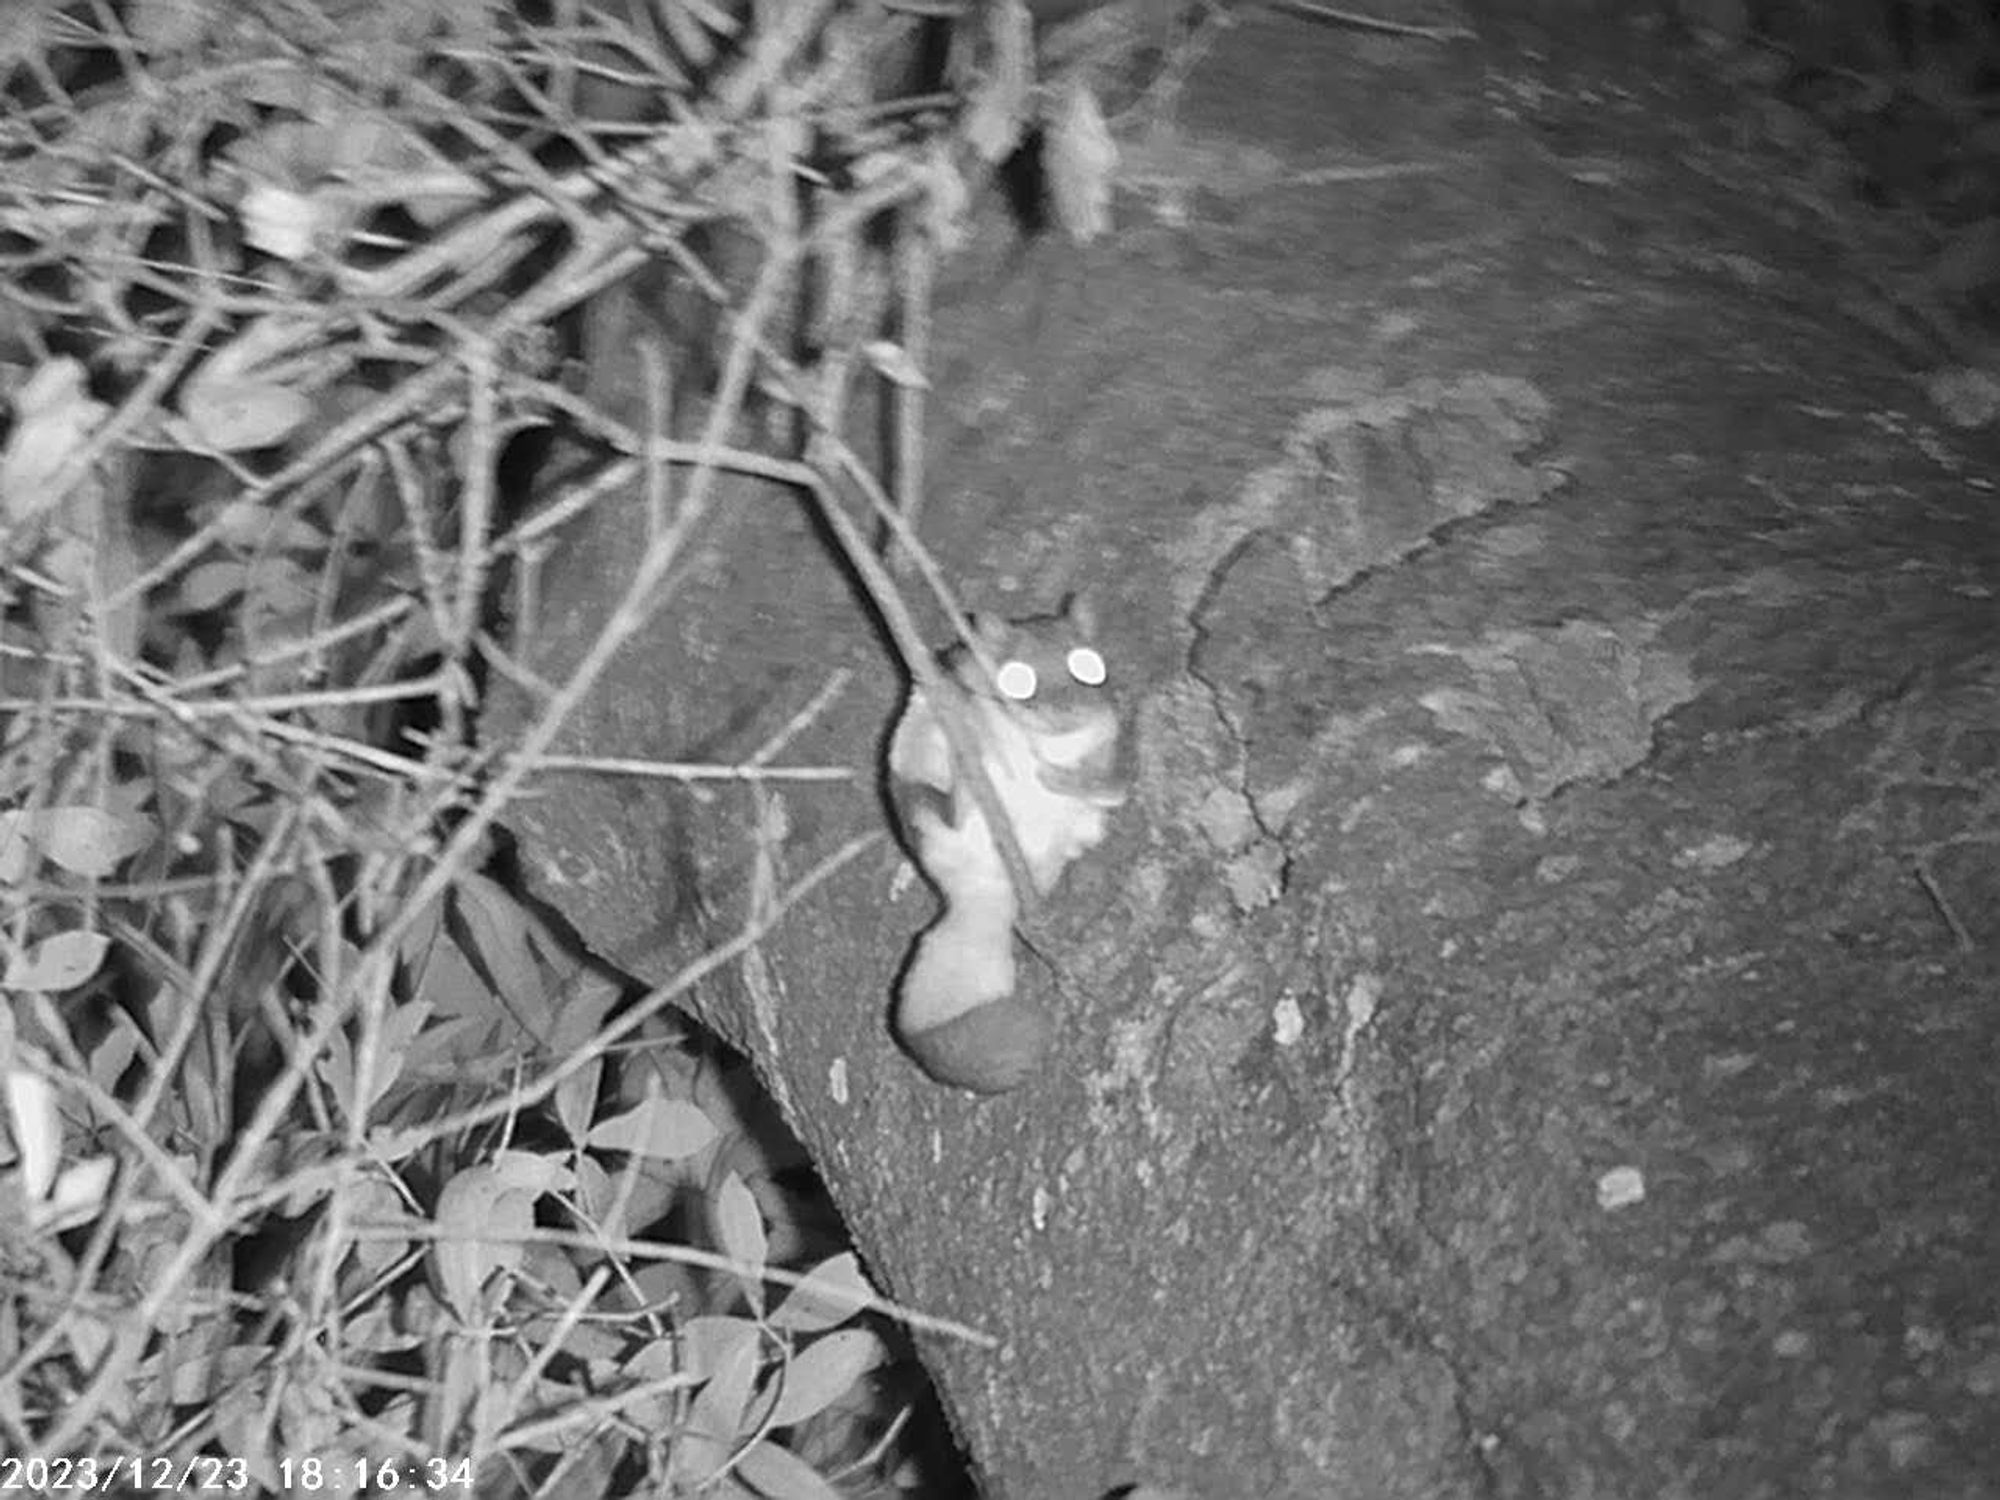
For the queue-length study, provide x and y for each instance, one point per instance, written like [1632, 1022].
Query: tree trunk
[1523, 1036]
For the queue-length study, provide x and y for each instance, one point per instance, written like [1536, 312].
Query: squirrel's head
[1049, 677]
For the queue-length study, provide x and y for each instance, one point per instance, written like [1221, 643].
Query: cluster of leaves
[316, 1143]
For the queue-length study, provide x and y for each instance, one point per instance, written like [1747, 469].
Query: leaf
[293, 87]
[371, 1198]
[54, 416]
[241, 396]
[739, 1229]
[823, 1372]
[381, 162]
[715, 1417]
[685, 31]
[288, 224]
[37, 1129]
[999, 104]
[946, 205]
[113, 1054]
[208, 585]
[335, 1067]
[266, 347]
[893, 363]
[481, 1221]
[658, 1364]
[102, 514]
[834, 1292]
[89, 841]
[238, 1421]
[78, 1196]
[170, 25]
[440, 193]
[443, 976]
[393, 1048]
[583, 1000]
[665, 1129]
[532, 1172]
[709, 1341]
[89, 1337]
[783, 1475]
[576, 1099]
[1082, 159]
[279, 587]
[377, 1329]
[422, 932]
[231, 416]
[495, 937]
[597, 1196]
[67, 560]
[61, 962]
[17, 848]
[257, 525]
[309, 1421]
[30, 33]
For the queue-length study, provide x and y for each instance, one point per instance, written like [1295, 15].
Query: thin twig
[667, 770]
[1922, 871]
[946, 697]
[1361, 21]
[480, 467]
[916, 274]
[792, 728]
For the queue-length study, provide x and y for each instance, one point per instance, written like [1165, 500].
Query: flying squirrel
[1047, 732]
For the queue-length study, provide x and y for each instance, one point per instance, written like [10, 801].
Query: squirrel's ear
[1081, 611]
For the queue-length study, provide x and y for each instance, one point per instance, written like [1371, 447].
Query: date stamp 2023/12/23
[124, 1473]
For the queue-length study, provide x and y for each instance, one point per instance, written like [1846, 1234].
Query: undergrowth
[328, 1167]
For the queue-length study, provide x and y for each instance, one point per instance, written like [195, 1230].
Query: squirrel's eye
[1086, 666]
[1016, 680]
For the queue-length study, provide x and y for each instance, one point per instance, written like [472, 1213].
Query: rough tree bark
[1520, 567]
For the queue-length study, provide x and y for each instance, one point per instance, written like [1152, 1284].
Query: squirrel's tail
[956, 1010]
